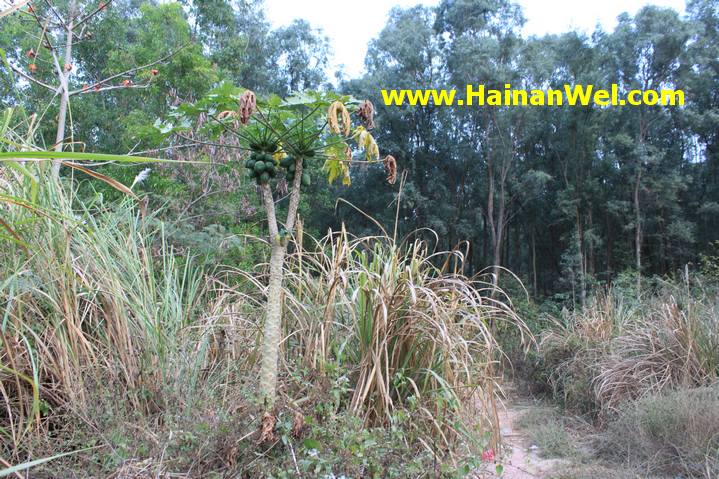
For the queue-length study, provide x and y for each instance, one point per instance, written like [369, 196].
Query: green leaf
[3, 56]
[30, 464]
[312, 444]
[71, 155]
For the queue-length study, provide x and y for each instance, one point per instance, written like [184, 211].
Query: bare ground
[521, 459]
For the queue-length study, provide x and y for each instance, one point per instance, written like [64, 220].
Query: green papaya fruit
[264, 177]
[306, 181]
[260, 167]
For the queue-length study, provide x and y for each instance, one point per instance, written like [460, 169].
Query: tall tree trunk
[534, 264]
[580, 254]
[638, 230]
[497, 226]
[610, 244]
[591, 268]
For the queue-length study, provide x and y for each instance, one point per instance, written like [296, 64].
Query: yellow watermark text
[572, 95]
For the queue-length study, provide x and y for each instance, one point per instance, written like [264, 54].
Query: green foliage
[710, 263]
[548, 192]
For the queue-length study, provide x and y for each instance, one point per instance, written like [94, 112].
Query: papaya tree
[277, 142]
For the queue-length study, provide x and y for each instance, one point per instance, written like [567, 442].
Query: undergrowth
[135, 360]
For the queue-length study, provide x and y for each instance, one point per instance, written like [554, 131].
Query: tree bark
[273, 323]
[581, 256]
[638, 230]
[534, 263]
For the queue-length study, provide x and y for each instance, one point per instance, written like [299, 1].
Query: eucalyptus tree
[406, 55]
[480, 42]
[644, 52]
[701, 82]
[240, 42]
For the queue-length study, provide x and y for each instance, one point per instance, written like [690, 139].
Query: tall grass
[411, 331]
[90, 295]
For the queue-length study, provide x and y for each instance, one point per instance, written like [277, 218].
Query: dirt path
[520, 458]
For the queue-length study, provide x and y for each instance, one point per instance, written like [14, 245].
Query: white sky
[350, 25]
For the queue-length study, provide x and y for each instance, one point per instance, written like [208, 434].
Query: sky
[362, 21]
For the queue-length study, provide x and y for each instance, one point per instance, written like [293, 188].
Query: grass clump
[412, 333]
[549, 432]
[618, 349]
[674, 433]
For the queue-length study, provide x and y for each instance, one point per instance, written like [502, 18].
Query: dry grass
[611, 352]
[97, 303]
[101, 322]
[673, 347]
[409, 331]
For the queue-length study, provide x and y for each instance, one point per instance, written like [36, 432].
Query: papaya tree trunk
[273, 326]
[273, 312]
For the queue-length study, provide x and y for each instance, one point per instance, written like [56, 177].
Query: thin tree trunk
[638, 231]
[580, 254]
[534, 264]
[497, 228]
[64, 77]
